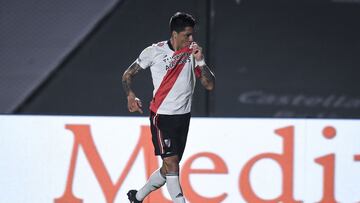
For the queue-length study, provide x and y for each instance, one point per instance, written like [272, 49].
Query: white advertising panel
[69, 159]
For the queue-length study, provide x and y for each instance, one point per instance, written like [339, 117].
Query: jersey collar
[170, 46]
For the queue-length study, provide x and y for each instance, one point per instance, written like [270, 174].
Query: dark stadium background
[271, 58]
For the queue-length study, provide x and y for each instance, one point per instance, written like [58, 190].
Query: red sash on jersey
[170, 78]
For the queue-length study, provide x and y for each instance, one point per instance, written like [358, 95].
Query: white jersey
[172, 75]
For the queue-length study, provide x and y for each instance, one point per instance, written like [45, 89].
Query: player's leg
[171, 168]
[169, 137]
[178, 138]
[157, 179]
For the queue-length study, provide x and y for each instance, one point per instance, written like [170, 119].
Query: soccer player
[174, 65]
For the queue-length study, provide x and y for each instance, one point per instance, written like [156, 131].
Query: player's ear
[174, 34]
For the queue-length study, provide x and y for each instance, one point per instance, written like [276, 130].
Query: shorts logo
[167, 142]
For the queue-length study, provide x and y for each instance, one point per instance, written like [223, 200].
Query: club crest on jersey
[160, 44]
[177, 59]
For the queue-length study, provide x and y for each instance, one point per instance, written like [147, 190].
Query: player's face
[184, 38]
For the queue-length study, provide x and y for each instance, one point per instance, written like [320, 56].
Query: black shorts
[169, 133]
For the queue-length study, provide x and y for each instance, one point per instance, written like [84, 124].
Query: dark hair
[180, 20]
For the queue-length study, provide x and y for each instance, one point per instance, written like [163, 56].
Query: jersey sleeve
[145, 59]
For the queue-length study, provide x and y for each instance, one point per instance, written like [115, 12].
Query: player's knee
[171, 165]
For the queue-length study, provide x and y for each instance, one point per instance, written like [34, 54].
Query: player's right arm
[134, 103]
[142, 62]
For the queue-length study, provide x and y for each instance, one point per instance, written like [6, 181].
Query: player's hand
[134, 104]
[196, 51]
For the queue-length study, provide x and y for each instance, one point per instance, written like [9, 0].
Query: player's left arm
[207, 77]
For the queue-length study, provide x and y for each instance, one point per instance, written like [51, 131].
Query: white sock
[174, 188]
[155, 181]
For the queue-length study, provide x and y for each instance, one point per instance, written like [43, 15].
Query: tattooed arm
[207, 77]
[134, 103]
